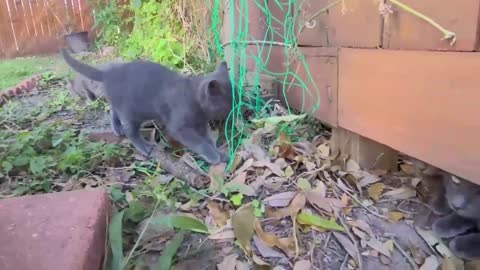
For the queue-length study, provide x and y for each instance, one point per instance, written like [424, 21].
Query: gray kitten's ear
[214, 88]
[222, 67]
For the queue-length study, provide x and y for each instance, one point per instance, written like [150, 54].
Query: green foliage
[48, 150]
[156, 34]
[109, 22]
[116, 240]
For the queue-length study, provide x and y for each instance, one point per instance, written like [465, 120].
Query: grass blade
[165, 261]
[182, 222]
[115, 237]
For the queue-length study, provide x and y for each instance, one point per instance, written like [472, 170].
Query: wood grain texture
[425, 104]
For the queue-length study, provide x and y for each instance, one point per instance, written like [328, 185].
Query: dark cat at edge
[140, 91]
[460, 203]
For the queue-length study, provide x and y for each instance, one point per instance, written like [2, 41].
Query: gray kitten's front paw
[440, 206]
[224, 157]
[118, 131]
[466, 246]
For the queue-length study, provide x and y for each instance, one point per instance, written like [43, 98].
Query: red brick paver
[64, 231]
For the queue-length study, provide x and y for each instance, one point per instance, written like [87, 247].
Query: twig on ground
[141, 234]
[408, 258]
[179, 169]
[354, 241]
[342, 267]
[361, 204]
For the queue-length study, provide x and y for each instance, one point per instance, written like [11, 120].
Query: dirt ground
[287, 202]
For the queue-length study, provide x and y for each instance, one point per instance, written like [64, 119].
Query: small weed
[49, 151]
[258, 208]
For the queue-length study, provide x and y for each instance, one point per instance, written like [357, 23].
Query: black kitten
[462, 225]
[140, 91]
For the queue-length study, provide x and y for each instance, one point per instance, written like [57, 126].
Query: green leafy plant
[109, 22]
[258, 208]
[156, 34]
[49, 150]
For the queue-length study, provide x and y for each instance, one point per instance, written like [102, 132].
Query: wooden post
[367, 153]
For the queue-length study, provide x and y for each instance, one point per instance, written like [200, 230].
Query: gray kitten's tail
[82, 68]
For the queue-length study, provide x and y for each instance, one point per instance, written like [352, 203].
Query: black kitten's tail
[84, 69]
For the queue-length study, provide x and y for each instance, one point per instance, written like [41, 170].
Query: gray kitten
[140, 91]
[461, 224]
[85, 88]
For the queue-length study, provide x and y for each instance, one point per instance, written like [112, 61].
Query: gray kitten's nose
[458, 202]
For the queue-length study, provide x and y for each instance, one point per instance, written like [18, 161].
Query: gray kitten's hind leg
[132, 132]
[451, 226]
[116, 124]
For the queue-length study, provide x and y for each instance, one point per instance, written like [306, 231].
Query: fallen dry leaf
[219, 214]
[243, 226]
[396, 216]
[363, 226]
[289, 172]
[453, 264]
[303, 184]
[323, 150]
[352, 166]
[345, 199]
[418, 254]
[217, 175]
[266, 251]
[258, 261]
[281, 162]
[384, 248]
[236, 162]
[368, 179]
[228, 263]
[297, 203]
[409, 169]
[275, 168]
[375, 191]
[257, 151]
[303, 148]
[242, 266]
[361, 234]
[347, 245]
[240, 178]
[320, 188]
[310, 166]
[280, 199]
[223, 233]
[315, 197]
[401, 193]
[302, 265]
[271, 240]
[246, 165]
[431, 263]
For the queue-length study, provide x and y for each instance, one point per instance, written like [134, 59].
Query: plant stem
[447, 34]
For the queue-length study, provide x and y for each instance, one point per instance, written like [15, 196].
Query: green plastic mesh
[240, 46]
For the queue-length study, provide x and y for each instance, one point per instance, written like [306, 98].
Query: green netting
[244, 47]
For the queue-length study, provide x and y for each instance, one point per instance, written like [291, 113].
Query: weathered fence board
[29, 27]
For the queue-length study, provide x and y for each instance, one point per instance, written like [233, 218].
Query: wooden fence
[32, 27]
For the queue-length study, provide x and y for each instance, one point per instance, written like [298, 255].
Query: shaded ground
[287, 202]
